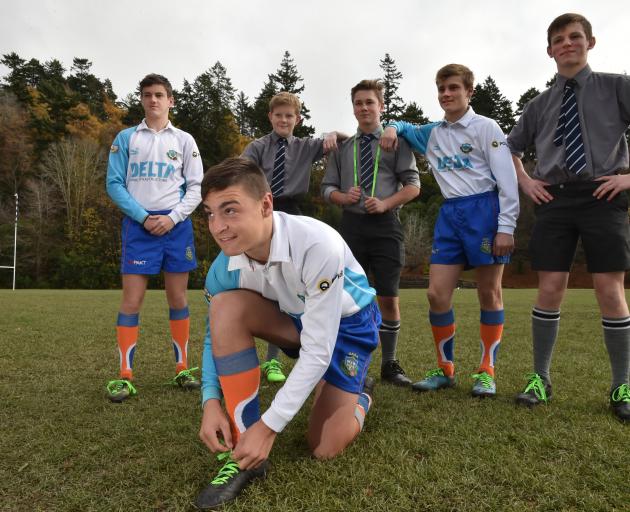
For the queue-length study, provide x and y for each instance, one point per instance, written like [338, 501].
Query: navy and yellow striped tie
[570, 131]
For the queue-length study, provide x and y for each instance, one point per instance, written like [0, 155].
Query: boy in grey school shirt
[371, 187]
[578, 127]
[286, 161]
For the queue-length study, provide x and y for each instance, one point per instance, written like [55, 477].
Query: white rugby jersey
[468, 157]
[313, 276]
[153, 171]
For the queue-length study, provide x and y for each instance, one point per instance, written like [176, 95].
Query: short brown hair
[566, 19]
[369, 85]
[155, 79]
[235, 171]
[467, 76]
[285, 98]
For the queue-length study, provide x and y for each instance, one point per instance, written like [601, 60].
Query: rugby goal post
[14, 242]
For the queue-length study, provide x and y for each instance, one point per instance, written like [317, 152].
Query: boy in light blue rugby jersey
[154, 176]
[475, 226]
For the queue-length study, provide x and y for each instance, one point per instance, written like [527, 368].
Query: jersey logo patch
[113, 149]
[466, 148]
[497, 143]
[350, 364]
[323, 285]
[172, 154]
[195, 154]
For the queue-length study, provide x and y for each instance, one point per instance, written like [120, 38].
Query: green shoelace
[537, 385]
[272, 366]
[228, 471]
[115, 386]
[486, 380]
[185, 375]
[621, 394]
[437, 372]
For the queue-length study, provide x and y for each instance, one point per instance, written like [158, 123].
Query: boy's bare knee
[325, 452]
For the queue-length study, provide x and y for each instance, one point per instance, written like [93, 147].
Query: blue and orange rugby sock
[443, 328]
[239, 375]
[127, 336]
[491, 330]
[179, 320]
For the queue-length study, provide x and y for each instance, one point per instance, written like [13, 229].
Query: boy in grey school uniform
[286, 161]
[371, 187]
[578, 126]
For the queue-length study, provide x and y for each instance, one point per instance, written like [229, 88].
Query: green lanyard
[376, 160]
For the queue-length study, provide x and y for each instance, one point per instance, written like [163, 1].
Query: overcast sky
[335, 43]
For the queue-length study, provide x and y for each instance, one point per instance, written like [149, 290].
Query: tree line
[56, 127]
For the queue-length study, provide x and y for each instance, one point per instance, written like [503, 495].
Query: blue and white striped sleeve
[116, 183]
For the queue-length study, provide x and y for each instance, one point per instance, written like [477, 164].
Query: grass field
[64, 447]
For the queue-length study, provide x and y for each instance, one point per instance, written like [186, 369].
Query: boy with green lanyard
[371, 187]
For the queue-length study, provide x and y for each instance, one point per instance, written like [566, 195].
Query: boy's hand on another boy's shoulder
[254, 445]
[612, 185]
[389, 139]
[330, 142]
[503, 244]
[158, 225]
[214, 422]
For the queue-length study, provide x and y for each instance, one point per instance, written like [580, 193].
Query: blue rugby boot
[434, 380]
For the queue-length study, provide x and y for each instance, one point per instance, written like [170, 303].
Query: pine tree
[488, 101]
[259, 115]
[243, 115]
[528, 95]
[394, 105]
[287, 79]
[204, 109]
[413, 114]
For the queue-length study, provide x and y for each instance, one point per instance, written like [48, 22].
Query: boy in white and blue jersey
[154, 176]
[292, 281]
[473, 166]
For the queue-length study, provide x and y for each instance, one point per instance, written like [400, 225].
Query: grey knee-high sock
[545, 326]
[388, 333]
[617, 339]
[273, 352]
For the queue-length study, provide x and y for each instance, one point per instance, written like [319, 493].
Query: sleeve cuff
[176, 217]
[210, 392]
[508, 230]
[274, 420]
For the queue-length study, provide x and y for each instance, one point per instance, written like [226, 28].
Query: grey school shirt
[300, 154]
[395, 169]
[604, 107]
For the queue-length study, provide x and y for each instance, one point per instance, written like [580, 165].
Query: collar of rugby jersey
[580, 78]
[143, 126]
[376, 133]
[462, 121]
[279, 251]
[275, 138]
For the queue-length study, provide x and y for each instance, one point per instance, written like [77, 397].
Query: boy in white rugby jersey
[154, 176]
[473, 166]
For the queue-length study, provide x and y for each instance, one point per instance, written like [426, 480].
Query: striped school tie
[277, 178]
[569, 130]
[367, 162]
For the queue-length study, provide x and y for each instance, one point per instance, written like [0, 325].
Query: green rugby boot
[272, 370]
[120, 389]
